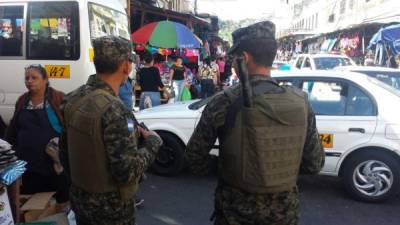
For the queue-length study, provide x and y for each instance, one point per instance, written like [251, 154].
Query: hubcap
[165, 156]
[373, 178]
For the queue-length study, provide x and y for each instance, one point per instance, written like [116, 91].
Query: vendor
[34, 131]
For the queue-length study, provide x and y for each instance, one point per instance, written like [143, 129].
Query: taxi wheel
[170, 157]
[372, 176]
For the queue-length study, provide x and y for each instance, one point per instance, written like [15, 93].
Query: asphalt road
[188, 200]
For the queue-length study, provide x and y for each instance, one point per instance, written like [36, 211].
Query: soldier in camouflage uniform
[260, 188]
[99, 143]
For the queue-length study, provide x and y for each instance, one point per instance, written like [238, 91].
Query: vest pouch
[271, 150]
[129, 190]
[262, 152]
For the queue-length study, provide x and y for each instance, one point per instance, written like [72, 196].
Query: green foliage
[226, 27]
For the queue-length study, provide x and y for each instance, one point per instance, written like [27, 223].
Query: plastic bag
[12, 172]
[186, 96]
[147, 102]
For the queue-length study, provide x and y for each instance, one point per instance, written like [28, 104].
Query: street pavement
[188, 200]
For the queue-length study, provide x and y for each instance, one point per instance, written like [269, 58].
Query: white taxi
[321, 61]
[357, 117]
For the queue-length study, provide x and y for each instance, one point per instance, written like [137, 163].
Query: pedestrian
[34, 131]
[150, 83]
[126, 94]
[392, 62]
[207, 75]
[398, 60]
[263, 144]
[126, 91]
[221, 67]
[216, 71]
[177, 77]
[228, 69]
[99, 143]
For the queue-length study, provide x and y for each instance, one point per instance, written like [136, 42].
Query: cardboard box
[6, 217]
[35, 215]
[38, 201]
[38, 206]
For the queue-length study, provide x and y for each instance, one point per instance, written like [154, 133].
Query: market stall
[11, 169]
[386, 43]
[167, 38]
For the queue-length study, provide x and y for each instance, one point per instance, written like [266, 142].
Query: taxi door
[346, 116]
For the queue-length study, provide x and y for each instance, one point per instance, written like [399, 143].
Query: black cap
[261, 30]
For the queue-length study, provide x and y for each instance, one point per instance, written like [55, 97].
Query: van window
[11, 31]
[105, 21]
[53, 31]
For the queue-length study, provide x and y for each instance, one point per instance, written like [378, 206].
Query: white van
[56, 34]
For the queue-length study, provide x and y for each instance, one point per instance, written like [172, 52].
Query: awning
[203, 20]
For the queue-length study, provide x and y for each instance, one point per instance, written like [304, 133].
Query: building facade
[323, 16]
[186, 6]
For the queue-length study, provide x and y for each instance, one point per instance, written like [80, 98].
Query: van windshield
[106, 21]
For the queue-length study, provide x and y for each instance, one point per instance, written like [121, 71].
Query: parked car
[387, 75]
[321, 61]
[357, 117]
[281, 65]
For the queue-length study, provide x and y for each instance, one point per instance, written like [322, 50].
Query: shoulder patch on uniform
[131, 125]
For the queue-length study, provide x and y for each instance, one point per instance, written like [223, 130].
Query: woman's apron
[34, 133]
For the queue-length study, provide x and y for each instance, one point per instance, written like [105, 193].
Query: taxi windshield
[325, 63]
[106, 21]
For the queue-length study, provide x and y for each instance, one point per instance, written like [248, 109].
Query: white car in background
[387, 75]
[357, 117]
[321, 61]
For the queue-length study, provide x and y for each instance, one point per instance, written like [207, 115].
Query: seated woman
[150, 82]
[34, 131]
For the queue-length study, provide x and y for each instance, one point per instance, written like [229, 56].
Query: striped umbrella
[166, 34]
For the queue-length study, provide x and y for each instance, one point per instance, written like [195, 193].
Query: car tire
[372, 176]
[170, 158]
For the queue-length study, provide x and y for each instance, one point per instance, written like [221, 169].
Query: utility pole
[195, 7]
[128, 11]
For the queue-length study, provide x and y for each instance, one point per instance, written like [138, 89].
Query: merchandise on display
[10, 167]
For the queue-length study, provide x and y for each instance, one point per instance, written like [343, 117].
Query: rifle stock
[244, 80]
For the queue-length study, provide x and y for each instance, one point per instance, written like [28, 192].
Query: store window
[11, 30]
[105, 21]
[53, 31]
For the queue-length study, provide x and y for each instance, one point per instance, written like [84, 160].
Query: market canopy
[166, 34]
[389, 35]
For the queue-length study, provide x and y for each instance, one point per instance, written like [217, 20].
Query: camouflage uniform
[234, 206]
[125, 160]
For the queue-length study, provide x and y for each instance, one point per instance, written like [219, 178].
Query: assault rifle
[244, 80]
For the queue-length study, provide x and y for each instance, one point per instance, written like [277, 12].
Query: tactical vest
[262, 153]
[87, 156]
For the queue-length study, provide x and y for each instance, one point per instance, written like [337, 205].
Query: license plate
[327, 140]
[58, 71]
